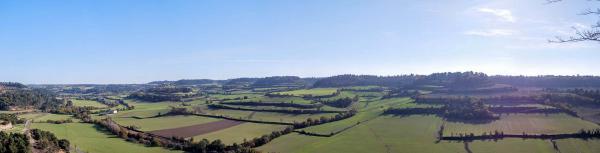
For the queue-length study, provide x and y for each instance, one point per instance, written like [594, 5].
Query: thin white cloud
[491, 32]
[505, 15]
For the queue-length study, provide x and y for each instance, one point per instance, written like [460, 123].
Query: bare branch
[591, 12]
[581, 35]
[592, 34]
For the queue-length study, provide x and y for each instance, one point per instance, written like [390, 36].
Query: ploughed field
[198, 129]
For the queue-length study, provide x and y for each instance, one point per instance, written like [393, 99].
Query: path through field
[29, 138]
[387, 147]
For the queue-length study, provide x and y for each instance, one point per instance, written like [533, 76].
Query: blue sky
[136, 41]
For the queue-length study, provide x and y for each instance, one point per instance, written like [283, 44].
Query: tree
[591, 34]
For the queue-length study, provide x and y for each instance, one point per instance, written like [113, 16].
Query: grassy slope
[383, 134]
[296, 100]
[529, 123]
[238, 133]
[266, 116]
[366, 112]
[87, 138]
[578, 146]
[42, 117]
[512, 146]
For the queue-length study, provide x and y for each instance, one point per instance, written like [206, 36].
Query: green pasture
[89, 138]
[238, 133]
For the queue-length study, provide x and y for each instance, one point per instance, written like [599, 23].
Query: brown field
[194, 130]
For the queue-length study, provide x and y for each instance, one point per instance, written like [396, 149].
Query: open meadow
[528, 123]
[90, 138]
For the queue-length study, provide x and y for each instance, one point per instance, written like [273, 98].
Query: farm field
[235, 96]
[238, 133]
[528, 123]
[78, 102]
[513, 146]
[266, 116]
[578, 146]
[265, 99]
[383, 134]
[88, 138]
[365, 113]
[198, 129]
[42, 117]
[313, 92]
[343, 94]
[165, 122]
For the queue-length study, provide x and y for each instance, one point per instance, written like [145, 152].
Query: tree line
[287, 111]
[582, 134]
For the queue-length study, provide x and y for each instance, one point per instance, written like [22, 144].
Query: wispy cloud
[491, 32]
[505, 15]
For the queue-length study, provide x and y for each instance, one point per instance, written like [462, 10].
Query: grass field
[147, 109]
[578, 146]
[266, 116]
[414, 134]
[513, 146]
[313, 92]
[361, 87]
[92, 103]
[265, 99]
[167, 122]
[234, 96]
[238, 133]
[365, 113]
[383, 134]
[32, 115]
[88, 138]
[42, 117]
[343, 94]
[529, 123]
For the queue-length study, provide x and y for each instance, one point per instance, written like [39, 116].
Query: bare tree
[589, 34]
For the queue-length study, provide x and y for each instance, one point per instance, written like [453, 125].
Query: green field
[42, 117]
[343, 94]
[365, 113]
[32, 115]
[529, 123]
[77, 102]
[414, 134]
[383, 134]
[361, 87]
[88, 138]
[265, 99]
[313, 92]
[238, 133]
[578, 146]
[234, 96]
[147, 109]
[513, 146]
[265, 116]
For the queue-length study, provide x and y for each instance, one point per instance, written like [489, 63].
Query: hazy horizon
[111, 42]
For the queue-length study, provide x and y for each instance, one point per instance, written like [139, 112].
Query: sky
[137, 41]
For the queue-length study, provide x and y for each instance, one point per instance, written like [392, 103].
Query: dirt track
[198, 129]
